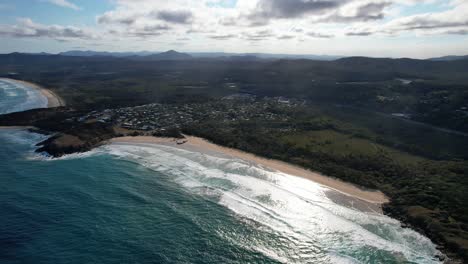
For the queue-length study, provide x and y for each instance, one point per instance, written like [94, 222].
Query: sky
[380, 28]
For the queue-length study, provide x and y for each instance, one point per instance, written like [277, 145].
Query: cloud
[116, 17]
[64, 3]
[149, 30]
[282, 37]
[423, 22]
[222, 37]
[178, 17]
[359, 33]
[242, 24]
[314, 11]
[457, 32]
[258, 35]
[26, 28]
[319, 35]
[213, 21]
[268, 9]
[357, 12]
[453, 21]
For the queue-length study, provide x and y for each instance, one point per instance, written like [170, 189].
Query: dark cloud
[286, 9]
[294, 8]
[110, 18]
[268, 10]
[177, 17]
[363, 13]
[371, 11]
[359, 33]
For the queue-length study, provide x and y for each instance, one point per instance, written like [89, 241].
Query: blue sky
[381, 28]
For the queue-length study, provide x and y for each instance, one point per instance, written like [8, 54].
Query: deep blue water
[159, 204]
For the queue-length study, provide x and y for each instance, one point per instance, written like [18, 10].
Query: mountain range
[174, 55]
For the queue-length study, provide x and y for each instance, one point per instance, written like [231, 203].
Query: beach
[53, 100]
[185, 201]
[366, 199]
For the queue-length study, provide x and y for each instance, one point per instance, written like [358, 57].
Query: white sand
[374, 197]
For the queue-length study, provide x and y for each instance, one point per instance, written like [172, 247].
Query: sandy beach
[53, 100]
[376, 198]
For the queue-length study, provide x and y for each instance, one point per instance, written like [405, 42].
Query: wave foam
[20, 97]
[298, 209]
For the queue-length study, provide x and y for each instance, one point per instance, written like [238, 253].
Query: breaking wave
[312, 227]
[16, 97]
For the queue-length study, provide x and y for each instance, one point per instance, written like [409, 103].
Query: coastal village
[158, 118]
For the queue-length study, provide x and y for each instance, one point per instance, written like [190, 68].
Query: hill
[450, 58]
[168, 55]
[90, 53]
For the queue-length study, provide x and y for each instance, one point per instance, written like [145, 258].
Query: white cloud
[26, 28]
[453, 21]
[255, 23]
[64, 3]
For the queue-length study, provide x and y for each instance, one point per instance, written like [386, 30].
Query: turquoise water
[159, 204]
[102, 210]
[15, 97]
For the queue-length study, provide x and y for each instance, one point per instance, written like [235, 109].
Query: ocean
[140, 203]
[16, 97]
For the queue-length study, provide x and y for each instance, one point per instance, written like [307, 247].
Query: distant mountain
[168, 55]
[218, 55]
[264, 56]
[450, 58]
[142, 55]
[90, 53]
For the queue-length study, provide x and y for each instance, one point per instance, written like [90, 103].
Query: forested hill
[353, 64]
[432, 92]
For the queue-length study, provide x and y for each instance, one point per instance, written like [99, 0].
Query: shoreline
[375, 198]
[53, 100]
[16, 127]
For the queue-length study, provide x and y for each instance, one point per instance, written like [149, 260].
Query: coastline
[53, 100]
[16, 127]
[375, 198]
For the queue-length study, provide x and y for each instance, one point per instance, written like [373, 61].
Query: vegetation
[428, 194]
[395, 125]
